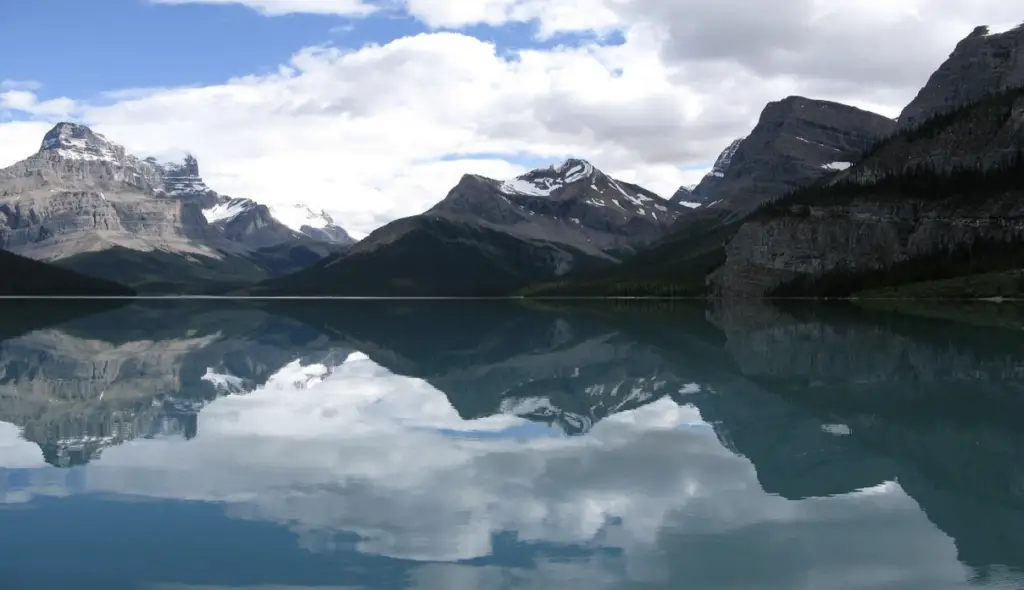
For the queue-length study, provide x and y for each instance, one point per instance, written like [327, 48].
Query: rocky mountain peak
[78, 142]
[983, 63]
[542, 182]
[796, 141]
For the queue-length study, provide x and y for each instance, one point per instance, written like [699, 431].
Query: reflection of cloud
[16, 452]
[371, 453]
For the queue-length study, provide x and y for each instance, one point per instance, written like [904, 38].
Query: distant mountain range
[489, 237]
[820, 198]
[84, 203]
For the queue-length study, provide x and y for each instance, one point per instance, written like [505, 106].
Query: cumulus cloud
[384, 130]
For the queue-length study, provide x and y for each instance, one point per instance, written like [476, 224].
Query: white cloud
[282, 7]
[376, 133]
[27, 102]
[16, 452]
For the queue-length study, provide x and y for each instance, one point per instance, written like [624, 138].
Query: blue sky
[102, 45]
[98, 46]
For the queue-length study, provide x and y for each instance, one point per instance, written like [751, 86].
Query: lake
[300, 445]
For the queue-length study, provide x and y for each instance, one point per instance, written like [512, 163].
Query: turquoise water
[447, 445]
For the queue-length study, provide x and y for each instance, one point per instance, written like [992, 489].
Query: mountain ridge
[543, 223]
[83, 197]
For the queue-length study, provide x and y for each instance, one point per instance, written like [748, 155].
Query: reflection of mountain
[141, 370]
[832, 416]
[838, 401]
[502, 358]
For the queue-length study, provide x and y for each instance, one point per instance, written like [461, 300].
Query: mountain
[981, 64]
[796, 141]
[24, 276]
[939, 201]
[488, 237]
[708, 184]
[928, 207]
[85, 201]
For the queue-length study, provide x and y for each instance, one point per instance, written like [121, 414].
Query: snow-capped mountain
[572, 202]
[276, 223]
[491, 236]
[84, 194]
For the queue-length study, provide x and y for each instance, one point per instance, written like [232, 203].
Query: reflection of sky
[648, 495]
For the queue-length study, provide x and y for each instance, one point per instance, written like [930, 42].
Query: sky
[373, 109]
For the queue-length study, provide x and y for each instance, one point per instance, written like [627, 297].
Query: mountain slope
[981, 64]
[937, 201]
[83, 197]
[24, 276]
[489, 237]
[796, 141]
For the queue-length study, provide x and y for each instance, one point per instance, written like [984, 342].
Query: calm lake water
[449, 445]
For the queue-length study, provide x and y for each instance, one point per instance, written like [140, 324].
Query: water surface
[444, 445]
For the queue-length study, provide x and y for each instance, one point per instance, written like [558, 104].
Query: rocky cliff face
[981, 64]
[796, 141]
[768, 253]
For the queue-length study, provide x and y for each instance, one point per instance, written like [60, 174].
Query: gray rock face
[981, 64]
[572, 203]
[796, 141]
[765, 254]
[83, 193]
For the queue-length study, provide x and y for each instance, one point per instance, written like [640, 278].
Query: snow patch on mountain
[77, 142]
[299, 215]
[542, 182]
[224, 382]
[540, 187]
[725, 158]
[227, 210]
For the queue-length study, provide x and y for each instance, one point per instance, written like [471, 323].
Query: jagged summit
[545, 181]
[74, 141]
